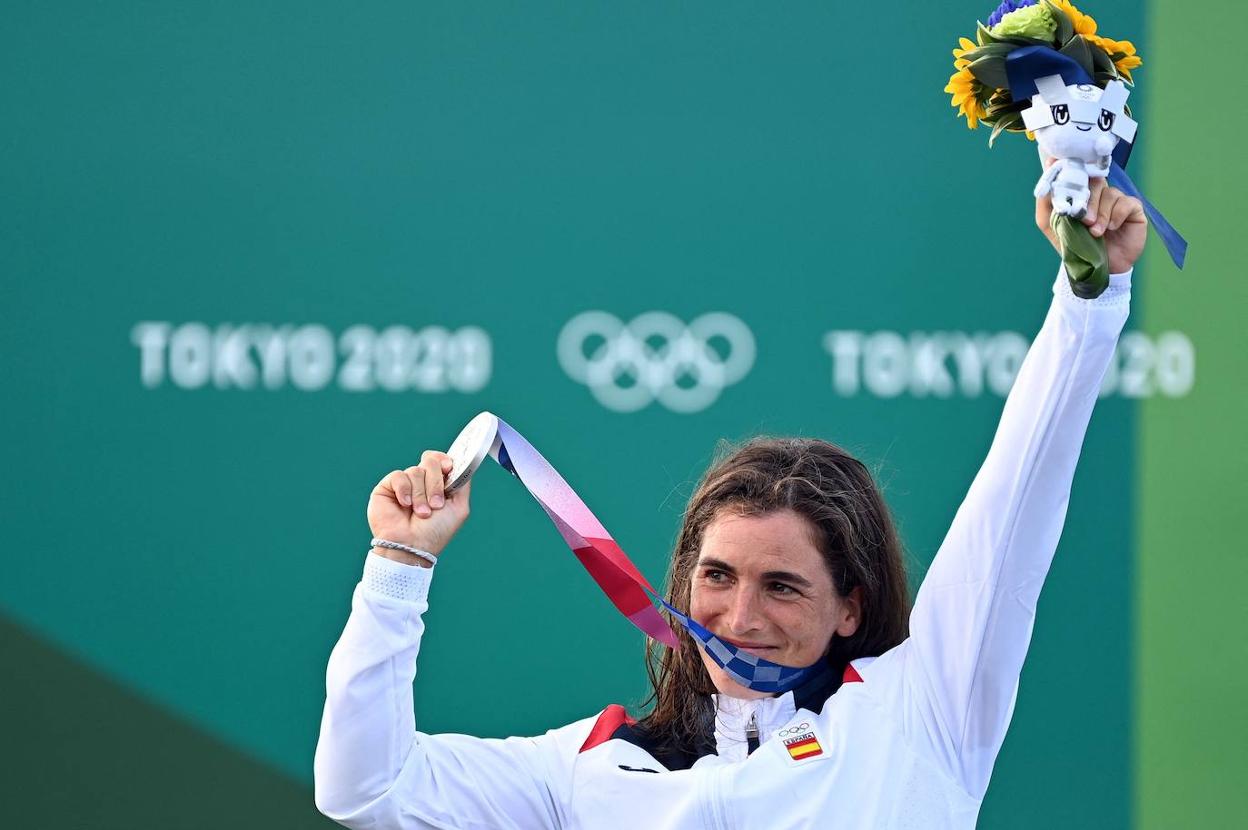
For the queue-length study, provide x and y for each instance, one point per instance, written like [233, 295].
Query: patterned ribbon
[616, 575]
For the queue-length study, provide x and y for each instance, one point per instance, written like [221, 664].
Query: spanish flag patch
[800, 741]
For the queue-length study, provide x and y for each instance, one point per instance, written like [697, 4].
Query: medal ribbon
[616, 575]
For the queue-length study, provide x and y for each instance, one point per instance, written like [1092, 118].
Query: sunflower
[1083, 23]
[974, 110]
[965, 91]
[983, 95]
[965, 44]
[1122, 52]
[964, 87]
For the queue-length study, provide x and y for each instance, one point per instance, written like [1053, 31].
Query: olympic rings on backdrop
[656, 357]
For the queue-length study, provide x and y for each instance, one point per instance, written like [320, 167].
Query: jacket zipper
[751, 734]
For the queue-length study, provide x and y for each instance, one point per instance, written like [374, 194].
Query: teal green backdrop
[253, 257]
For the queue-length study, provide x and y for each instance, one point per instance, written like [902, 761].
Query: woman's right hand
[411, 507]
[1111, 214]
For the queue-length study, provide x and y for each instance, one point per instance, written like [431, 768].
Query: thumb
[461, 495]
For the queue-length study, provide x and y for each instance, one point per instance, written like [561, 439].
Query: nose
[745, 613]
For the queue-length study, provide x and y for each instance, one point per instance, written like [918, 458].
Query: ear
[851, 613]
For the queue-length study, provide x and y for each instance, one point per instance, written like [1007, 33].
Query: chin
[725, 685]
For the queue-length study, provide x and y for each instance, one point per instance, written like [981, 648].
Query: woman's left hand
[1113, 215]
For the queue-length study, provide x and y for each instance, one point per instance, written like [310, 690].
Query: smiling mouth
[749, 646]
[1083, 129]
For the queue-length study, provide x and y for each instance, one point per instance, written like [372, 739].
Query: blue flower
[1006, 7]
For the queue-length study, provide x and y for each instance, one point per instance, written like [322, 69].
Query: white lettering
[1005, 358]
[190, 355]
[230, 364]
[252, 355]
[271, 346]
[970, 364]
[846, 350]
[929, 374]
[1176, 364]
[392, 358]
[470, 359]
[151, 338]
[942, 364]
[885, 364]
[356, 344]
[311, 357]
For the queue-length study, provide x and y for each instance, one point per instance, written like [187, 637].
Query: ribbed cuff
[1119, 289]
[408, 583]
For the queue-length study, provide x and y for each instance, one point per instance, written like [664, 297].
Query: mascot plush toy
[1039, 67]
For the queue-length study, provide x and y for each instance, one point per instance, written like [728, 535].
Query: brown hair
[853, 530]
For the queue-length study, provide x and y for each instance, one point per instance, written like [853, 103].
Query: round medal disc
[470, 448]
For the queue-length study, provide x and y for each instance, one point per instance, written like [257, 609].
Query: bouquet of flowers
[1039, 67]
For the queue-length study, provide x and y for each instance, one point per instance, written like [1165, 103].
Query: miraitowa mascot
[1079, 125]
[1040, 67]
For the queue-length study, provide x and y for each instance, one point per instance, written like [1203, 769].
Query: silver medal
[477, 440]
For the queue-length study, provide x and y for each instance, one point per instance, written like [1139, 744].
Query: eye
[783, 590]
[1106, 121]
[1061, 113]
[715, 577]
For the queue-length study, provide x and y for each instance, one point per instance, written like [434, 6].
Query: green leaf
[1101, 59]
[1018, 41]
[1065, 26]
[1002, 107]
[1010, 121]
[984, 36]
[1077, 49]
[990, 72]
[996, 50]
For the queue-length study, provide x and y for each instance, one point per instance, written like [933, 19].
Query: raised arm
[953, 683]
[372, 768]
[972, 620]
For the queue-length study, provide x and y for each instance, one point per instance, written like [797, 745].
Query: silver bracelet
[423, 554]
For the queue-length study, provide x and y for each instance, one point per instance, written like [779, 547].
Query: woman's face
[761, 584]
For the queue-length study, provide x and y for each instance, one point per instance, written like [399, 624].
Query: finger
[1096, 196]
[420, 503]
[435, 477]
[397, 486]
[1109, 203]
[459, 498]
[1124, 209]
[1044, 203]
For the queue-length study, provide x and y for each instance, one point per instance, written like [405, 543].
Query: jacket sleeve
[954, 682]
[374, 770]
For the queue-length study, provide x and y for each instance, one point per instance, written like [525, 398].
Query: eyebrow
[783, 576]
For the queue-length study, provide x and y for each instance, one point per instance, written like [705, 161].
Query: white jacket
[910, 743]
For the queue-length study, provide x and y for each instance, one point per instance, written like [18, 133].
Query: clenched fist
[411, 507]
[1112, 215]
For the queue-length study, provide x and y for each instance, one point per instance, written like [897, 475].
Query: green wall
[1191, 661]
[179, 538]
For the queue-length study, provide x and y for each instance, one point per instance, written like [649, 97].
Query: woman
[788, 552]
